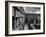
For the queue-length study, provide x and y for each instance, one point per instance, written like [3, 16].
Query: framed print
[24, 18]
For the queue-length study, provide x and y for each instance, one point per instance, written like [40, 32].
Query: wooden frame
[6, 18]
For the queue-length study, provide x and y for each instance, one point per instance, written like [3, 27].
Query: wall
[2, 19]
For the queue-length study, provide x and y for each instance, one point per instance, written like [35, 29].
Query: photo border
[6, 18]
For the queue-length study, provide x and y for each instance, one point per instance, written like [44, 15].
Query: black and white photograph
[24, 18]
